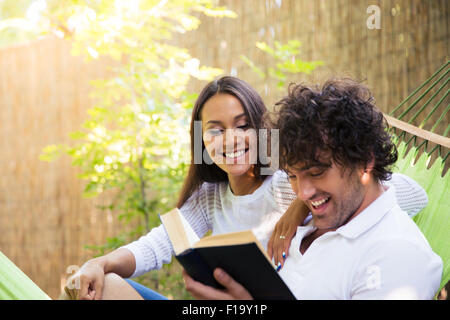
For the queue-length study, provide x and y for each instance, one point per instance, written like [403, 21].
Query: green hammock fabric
[429, 100]
[434, 220]
[15, 285]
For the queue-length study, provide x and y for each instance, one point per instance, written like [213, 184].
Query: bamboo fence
[412, 43]
[44, 221]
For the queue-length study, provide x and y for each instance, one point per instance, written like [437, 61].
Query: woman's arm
[295, 213]
[120, 261]
[150, 252]
[154, 249]
[284, 232]
[88, 282]
[411, 197]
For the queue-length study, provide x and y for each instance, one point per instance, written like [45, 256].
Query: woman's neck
[244, 184]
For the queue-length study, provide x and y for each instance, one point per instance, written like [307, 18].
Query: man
[359, 244]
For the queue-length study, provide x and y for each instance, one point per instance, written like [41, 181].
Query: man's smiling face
[332, 194]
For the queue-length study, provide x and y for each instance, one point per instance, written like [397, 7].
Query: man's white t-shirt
[379, 254]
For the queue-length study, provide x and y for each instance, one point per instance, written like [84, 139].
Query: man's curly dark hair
[340, 119]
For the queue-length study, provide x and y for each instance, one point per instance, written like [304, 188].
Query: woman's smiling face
[227, 134]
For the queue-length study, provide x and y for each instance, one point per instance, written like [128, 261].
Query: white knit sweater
[214, 207]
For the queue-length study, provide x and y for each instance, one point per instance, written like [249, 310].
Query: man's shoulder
[397, 224]
[396, 232]
[400, 254]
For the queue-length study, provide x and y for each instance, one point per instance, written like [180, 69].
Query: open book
[239, 253]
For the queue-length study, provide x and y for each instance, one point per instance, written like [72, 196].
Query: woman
[225, 192]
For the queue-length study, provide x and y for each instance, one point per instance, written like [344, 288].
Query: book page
[180, 233]
[190, 233]
[233, 238]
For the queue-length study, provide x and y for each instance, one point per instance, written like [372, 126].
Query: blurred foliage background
[135, 140]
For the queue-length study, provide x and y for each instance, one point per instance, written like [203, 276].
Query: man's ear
[367, 174]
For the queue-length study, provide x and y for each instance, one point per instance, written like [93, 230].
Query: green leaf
[284, 62]
[254, 68]
[78, 135]
[52, 152]
[264, 47]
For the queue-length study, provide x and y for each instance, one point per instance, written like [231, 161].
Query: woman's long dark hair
[254, 109]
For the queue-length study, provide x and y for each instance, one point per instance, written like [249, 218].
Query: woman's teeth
[320, 202]
[235, 154]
